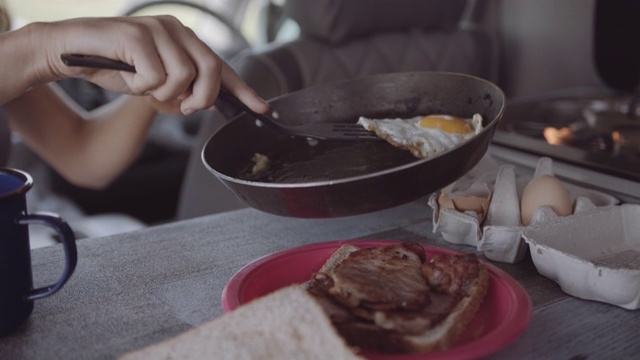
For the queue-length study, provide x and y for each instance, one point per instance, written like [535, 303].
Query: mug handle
[68, 239]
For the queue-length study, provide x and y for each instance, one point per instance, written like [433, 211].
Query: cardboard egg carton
[593, 255]
[482, 209]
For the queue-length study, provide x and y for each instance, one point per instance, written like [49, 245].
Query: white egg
[424, 136]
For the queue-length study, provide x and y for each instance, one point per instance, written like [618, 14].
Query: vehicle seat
[341, 39]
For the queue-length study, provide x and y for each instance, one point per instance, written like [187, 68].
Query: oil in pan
[298, 160]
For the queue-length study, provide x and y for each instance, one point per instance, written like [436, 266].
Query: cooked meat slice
[415, 322]
[441, 303]
[318, 287]
[416, 249]
[382, 278]
[452, 274]
[406, 322]
[388, 299]
[371, 337]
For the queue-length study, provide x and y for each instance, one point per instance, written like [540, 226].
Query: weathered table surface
[134, 289]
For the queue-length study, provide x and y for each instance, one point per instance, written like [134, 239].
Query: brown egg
[544, 190]
[444, 201]
[477, 204]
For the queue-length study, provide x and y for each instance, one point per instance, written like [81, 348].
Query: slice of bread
[442, 336]
[447, 333]
[286, 324]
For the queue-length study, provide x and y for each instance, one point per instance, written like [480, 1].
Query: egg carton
[593, 255]
[482, 209]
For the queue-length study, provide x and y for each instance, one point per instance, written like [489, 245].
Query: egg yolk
[450, 124]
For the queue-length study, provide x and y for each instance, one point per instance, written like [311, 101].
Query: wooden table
[134, 289]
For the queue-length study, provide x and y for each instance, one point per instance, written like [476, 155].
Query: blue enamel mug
[17, 294]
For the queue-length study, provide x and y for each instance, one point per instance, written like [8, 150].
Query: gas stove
[593, 136]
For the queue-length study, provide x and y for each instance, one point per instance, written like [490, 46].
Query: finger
[178, 66]
[140, 51]
[238, 87]
[211, 72]
[208, 65]
[114, 38]
[169, 107]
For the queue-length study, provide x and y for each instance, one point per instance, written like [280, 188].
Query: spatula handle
[97, 62]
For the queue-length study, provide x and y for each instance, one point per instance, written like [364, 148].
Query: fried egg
[425, 136]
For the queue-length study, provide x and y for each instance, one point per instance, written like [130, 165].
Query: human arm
[171, 62]
[89, 149]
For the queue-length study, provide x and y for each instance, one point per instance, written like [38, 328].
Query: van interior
[538, 52]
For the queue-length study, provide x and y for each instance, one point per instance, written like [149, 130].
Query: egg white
[423, 142]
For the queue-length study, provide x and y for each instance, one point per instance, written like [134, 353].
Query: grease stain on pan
[293, 160]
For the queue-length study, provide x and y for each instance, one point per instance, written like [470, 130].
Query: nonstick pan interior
[335, 178]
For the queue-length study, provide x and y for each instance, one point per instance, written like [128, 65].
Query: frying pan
[339, 178]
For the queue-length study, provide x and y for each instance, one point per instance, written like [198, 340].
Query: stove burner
[600, 132]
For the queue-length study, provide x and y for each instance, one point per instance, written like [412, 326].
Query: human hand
[171, 107]
[172, 64]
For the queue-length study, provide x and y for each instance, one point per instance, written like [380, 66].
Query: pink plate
[502, 318]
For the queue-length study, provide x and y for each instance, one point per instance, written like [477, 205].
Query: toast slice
[286, 324]
[436, 326]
